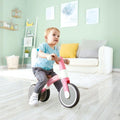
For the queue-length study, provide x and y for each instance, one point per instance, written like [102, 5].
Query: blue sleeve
[42, 47]
[58, 54]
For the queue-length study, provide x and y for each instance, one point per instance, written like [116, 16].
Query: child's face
[53, 37]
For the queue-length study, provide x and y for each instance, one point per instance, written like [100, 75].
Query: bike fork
[65, 82]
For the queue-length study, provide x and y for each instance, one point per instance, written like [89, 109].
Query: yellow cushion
[68, 50]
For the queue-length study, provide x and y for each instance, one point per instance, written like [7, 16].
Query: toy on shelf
[8, 26]
[29, 24]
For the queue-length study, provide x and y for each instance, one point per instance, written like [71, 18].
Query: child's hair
[49, 29]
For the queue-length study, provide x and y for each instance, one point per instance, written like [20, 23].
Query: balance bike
[69, 94]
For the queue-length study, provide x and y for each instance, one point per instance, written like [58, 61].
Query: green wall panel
[107, 28]
[12, 41]
[1, 32]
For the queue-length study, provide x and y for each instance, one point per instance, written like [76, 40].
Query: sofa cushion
[89, 48]
[69, 50]
[83, 61]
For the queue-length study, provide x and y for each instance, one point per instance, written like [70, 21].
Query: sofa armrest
[105, 56]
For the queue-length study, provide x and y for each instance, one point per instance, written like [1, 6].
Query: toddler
[43, 68]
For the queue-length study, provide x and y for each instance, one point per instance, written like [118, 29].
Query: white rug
[79, 79]
[19, 73]
[88, 80]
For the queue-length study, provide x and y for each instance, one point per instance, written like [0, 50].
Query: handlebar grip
[49, 57]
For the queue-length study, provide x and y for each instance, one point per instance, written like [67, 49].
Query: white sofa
[102, 64]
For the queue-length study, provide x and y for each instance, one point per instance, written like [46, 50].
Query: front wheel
[73, 98]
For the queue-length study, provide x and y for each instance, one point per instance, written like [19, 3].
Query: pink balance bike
[69, 94]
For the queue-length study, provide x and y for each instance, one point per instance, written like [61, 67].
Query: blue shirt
[43, 62]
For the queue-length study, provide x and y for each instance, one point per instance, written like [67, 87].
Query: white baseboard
[3, 67]
[25, 66]
[20, 66]
[116, 70]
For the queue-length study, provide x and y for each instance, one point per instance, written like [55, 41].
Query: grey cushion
[89, 48]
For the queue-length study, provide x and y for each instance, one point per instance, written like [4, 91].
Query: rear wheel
[41, 96]
[44, 96]
[73, 98]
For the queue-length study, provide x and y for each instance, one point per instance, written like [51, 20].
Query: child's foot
[33, 99]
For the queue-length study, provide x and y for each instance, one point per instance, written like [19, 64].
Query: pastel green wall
[107, 29]
[1, 34]
[12, 40]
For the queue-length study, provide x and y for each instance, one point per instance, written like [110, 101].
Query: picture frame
[92, 16]
[28, 41]
[50, 13]
[69, 14]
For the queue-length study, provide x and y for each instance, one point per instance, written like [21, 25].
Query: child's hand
[66, 61]
[55, 58]
[51, 56]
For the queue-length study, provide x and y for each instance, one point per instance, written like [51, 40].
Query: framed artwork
[28, 41]
[50, 13]
[69, 14]
[92, 16]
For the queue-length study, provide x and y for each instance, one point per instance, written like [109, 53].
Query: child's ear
[45, 37]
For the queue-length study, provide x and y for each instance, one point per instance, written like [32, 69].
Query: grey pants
[42, 78]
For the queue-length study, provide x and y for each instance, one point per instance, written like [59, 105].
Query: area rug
[18, 73]
[88, 80]
[79, 79]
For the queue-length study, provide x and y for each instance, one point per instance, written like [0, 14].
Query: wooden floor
[101, 102]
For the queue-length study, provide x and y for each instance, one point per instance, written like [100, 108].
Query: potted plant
[27, 53]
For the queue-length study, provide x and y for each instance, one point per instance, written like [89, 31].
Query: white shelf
[28, 31]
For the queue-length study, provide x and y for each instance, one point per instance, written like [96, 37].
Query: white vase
[26, 55]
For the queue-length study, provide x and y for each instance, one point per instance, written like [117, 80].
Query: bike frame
[63, 76]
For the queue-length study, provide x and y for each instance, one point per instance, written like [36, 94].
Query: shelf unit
[29, 39]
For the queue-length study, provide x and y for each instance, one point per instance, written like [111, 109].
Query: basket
[12, 61]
